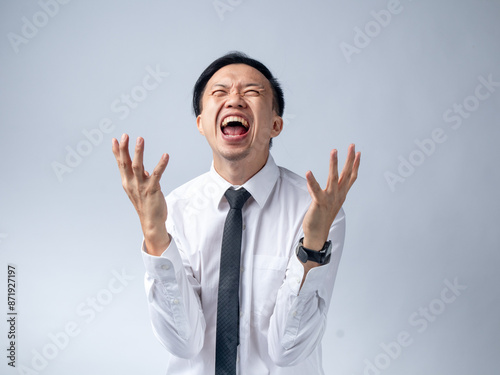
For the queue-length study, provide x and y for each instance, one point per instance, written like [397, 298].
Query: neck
[237, 172]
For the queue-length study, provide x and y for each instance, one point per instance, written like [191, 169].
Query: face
[237, 116]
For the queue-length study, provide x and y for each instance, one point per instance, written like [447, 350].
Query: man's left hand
[326, 203]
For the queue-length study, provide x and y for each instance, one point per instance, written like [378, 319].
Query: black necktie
[228, 303]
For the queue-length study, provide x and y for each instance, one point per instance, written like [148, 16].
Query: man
[286, 235]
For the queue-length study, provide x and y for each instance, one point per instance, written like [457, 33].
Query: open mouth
[233, 126]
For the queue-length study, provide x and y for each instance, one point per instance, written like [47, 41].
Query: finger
[137, 163]
[354, 174]
[115, 148]
[159, 169]
[313, 186]
[333, 173]
[125, 162]
[347, 170]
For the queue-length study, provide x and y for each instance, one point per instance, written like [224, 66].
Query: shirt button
[298, 280]
[242, 269]
[241, 314]
[176, 301]
[294, 314]
[165, 267]
[244, 227]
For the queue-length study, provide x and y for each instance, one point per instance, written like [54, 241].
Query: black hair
[236, 57]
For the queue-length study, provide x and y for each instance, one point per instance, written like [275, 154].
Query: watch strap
[322, 256]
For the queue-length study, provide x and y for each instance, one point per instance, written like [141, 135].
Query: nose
[235, 99]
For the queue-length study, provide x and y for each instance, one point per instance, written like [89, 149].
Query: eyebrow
[254, 84]
[245, 85]
[219, 85]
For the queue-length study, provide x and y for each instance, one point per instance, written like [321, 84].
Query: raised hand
[326, 203]
[144, 192]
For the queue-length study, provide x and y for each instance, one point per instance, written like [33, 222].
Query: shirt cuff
[165, 266]
[316, 280]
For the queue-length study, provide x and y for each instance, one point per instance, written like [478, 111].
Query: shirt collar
[260, 185]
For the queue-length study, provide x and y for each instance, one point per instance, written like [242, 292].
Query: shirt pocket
[268, 276]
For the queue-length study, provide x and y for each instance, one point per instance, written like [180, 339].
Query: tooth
[234, 119]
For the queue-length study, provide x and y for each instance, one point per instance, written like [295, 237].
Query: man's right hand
[144, 191]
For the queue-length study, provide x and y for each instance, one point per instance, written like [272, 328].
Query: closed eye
[219, 92]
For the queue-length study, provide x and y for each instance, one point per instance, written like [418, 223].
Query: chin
[235, 155]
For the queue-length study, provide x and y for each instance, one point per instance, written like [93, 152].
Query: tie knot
[237, 198]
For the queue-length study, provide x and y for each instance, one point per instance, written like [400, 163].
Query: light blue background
[67, 237]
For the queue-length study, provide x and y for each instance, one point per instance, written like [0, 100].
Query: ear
[277, 126]
[199, 125]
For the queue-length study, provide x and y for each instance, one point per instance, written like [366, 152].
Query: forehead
[238, 74]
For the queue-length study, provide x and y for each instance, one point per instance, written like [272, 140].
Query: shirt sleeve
[173, 296]
[299, 318]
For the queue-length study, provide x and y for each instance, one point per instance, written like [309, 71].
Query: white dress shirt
[281, 324]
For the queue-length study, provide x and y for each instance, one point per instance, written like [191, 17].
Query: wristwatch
[322, 256]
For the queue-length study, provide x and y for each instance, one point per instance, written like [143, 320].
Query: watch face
[321, 257]
[302, 255]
